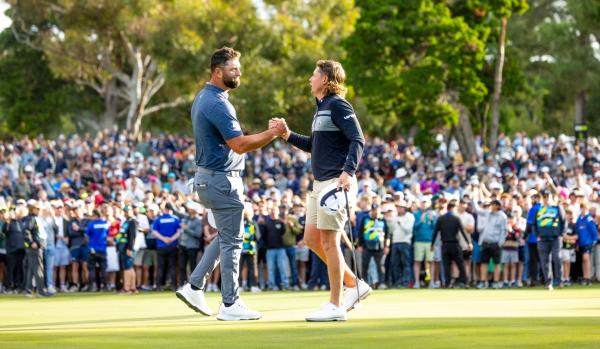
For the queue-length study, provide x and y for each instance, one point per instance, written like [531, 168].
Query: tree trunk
[111, 100]
[580, 101]
[497, 89]
[463, 132]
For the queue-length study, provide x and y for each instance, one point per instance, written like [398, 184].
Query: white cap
[331, 199]
[401, 172]
[194, 206]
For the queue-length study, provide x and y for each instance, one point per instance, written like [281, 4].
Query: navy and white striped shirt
[336, 142]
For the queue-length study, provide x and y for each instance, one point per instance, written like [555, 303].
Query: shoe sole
[237, 319]
[190, 305]
[362, 297]
[327, 319]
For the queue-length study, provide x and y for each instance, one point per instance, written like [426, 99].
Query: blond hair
[335, 76]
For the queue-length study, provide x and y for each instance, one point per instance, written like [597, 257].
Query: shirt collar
[216, 89]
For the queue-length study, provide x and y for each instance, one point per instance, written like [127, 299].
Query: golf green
[567, 318]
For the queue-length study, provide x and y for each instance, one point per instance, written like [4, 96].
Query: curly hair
[335, 76]
[221, 56]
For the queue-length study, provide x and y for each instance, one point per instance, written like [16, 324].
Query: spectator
[587, 235]
[448, 226]
[549, 226]
[374, 243]
[125, 241]
[468, 223]
[3, 221]
[150, 259]
[34, 251]
[532, 243]
[62, 255]
[78, 245]
[510, 251]
[293, 228]
[96, 233]
[424, 224]
[567, 252]
[46, 221]
[166, 229]
[401, 227]
[249, 251]
[190, 241]
[272, 230]
[14, 230]
[491, 238]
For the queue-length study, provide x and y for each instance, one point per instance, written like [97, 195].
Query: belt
[213, 172]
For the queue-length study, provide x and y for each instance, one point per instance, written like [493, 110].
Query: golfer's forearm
[253, 142]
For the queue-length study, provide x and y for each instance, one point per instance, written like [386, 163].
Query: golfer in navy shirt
[336, 145]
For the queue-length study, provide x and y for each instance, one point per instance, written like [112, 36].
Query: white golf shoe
[237, 311]
[194, 299]
[328, 312]
[352, 296]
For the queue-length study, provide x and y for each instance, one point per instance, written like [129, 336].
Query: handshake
[279, 127]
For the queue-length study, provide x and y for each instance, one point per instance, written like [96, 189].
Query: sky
[4, 21]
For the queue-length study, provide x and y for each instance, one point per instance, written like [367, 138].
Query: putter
[353, 247]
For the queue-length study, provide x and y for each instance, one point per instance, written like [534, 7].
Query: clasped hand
[280, 127]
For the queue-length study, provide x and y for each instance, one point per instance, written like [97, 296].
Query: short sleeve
[224, 118]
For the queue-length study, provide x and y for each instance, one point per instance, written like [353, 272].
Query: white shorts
[62, 254]
[510, 256]
[567, 255]
[437, 251]
[321, 219]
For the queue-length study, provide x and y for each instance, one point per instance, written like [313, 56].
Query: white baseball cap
[332, 199]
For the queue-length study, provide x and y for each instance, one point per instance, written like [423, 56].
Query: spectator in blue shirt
[166, 229]
[425, 219]
[587, 235]
[96, 233]
[532, 246]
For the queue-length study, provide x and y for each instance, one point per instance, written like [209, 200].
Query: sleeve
[257, 231]
[504, 230]
[224, 119]
[196, 228]
[144, 224]
[300, 141]
[156, 224]
[343, 117]
[593, 229]
[132, 233]
[436, 230]
[27, 233]
[361, 227]
[88, 230]
[386, 230]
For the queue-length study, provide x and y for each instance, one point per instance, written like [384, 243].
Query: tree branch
[177, 102]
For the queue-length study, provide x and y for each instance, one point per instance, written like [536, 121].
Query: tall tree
[32, 99]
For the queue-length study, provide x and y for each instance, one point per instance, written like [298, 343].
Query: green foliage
[32, 99]
[404, 58]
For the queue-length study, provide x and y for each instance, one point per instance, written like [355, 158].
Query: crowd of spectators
[107, 212]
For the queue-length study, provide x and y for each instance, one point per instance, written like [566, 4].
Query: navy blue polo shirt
[214, 121]
[167, 226]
